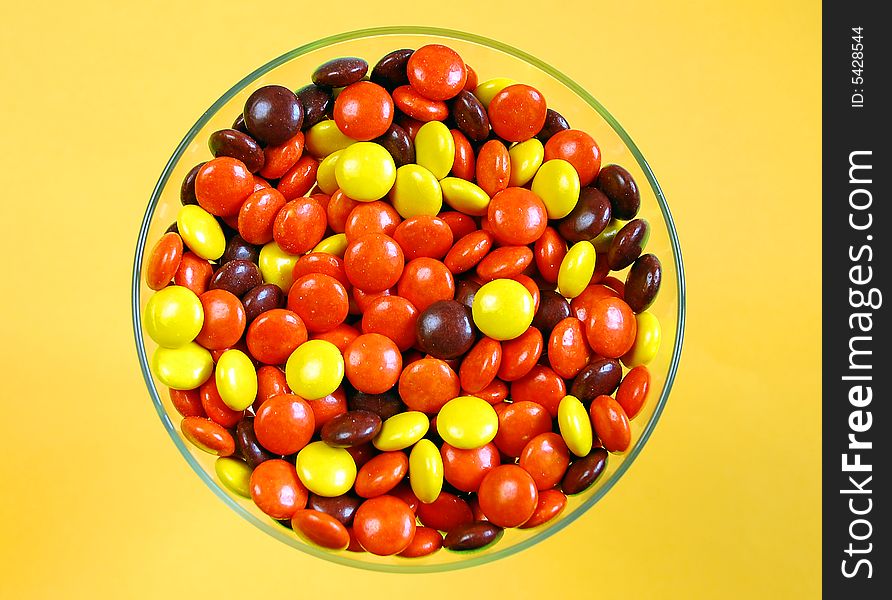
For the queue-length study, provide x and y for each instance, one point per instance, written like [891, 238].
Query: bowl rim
[472, 559]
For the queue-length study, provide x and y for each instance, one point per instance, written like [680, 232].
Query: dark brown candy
[352, 428]
[229, 142]
[390, 72]
[588, 218]
[472, 536]
[470, 116]
[343, 508]
[187, 189]
[554, 123]
[628, 244]
[316, 103]
[465, 290]
[643, 282]
[401, 147]
[238, 249]
[618, 185]
[384, 405]
[553, 308]
[273, 114]
[173, 228]
[247, 444]
[584, 472]
[340, 72]
[444, 329]
[236, 277]
[239, 124]
[600, 377]
[261, 299]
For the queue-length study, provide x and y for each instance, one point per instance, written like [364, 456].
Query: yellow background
[723, 99]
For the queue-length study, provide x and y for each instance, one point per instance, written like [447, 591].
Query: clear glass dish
[490, 59]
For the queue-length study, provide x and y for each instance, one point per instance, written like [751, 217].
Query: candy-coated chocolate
[247, 444]
[207, 436]
[464, 164]
[551, 504]
[444, 329]
[323, 140]
[236, 277]
[201, 232]
[503, 309]
[519, 422]
[372, 363]
[643, 282]
[576, 269]
[472, 536]
[464, 196]
[508, 496]
[628, 244]
[273, 114]
[600, 376]
[315, 369]
[470, 116]
[235, 144]
[187, 188]
[619, 185]
[647, 340]
[553, 308]
[320, 529]
[392, 316]
[401, 431]
[611, 424]
[557, 184]
[342, 508]
[363, 111]
[546, 458]
[351, 428]
[396, 140]
[611, 327]
[424, 236]
[575, 426]
[579, 149]
[173, 316]
[222, 185]
[324, 470]
[445, 513]
[435, 148]
[554, 123]
[517, 216]
[340, 72]
[365, 171]
[384, 525]
[425, 471]
[381, 474]
[632, 391]
[583, 472]
[186, 402]
[425, 541]
[236, 379]
[417, 107]
[316, 102]
[526, 158]
[321, 301]
[427, 384]
[276, 489]
[589, 217]
[164, 260]
[183, 368]
[436, 72]
[284, 424]
[234, 474]
[487, 90]
[277, 266]
[384, 405]
[467, 422]
[390, 71]
[416, 191]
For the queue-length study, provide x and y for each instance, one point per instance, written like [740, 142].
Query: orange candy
[384, 525]
[517, 216]
[299, 225]
[164, 261]
[632, 392]
[280, 159]
[568, 350]
[493, 167]
[222, 185]
[437, 72]
[464, 163]
[551, 504]
[508, 496]
[468, 251]
[392, 316]
[611, 328]
[423, 236]
[611, 424]
[284, 424]
[372, 363]
[506, 262]
[424, 281]
[276, 490]
[417, 107]
[447, 512]
[194, 273]
[517, 113]
[520, 355]
[274, 335]
[258, 215]
[320, 301]
[224, 320]
[374, 262]
[381, 474]
[577, 148]
[480, 365]
[519, 422]
[299, 179]
[545, 458]
[208, 436]
[321, 529]
[371, 217]
[363, 111]
[465, 469]
[338, 211]
[426, 541]
[541, 385]
[427, 384]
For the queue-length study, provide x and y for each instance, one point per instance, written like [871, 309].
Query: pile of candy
[373, 368]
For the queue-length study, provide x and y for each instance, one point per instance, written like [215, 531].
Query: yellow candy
[325, 470]
[502, 309]
[526, 158]
[183, 368]
[416, 192]
[557, 183]
[464, 196]
[401, 431]
[201, 232]
[467, 422]
[173, 316]
[236, 379]
[334, 244]
[575, 425]
[435, 148]
[647, 341]
[325, 174]
[324, 138]
[365, 171]
[315, 369]
[487, 90]
[576, 269]
[426, 471]
[277, 266]
[605, 238]
[235, 475]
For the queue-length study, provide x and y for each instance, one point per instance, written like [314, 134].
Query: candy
[447, 246]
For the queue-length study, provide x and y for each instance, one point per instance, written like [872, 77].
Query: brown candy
[553, 308]
[554, 123]
[600, 377]
[236, 277]
[472, 536]
[444, 330]
[316, 103]
[248, 446]
[233, 143]
[470, 116]
[262, 298]
[273, 115]
[340, 72]
[384, 405]
[628, 244]
[343, 508]
[390, 72]
[643, 282]
[588, 218]
[187, 189]
[584, 472]
[351, 428]
[238, 249]
[401, 147]
[618, 185]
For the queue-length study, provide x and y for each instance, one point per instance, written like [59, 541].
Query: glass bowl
[490, 59]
